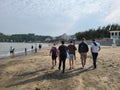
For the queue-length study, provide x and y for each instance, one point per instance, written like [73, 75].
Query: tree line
[22, 38]
[99, 33]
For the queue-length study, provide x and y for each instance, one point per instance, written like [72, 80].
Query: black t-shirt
[62, 49]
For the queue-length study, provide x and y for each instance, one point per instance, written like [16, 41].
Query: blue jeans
[94, 55]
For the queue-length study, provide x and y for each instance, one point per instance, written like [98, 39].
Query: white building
[115, 35]
[65, 36]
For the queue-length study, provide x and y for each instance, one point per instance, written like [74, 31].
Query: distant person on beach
[71, 51]
[54, 54]
[11, 52]
[95, 48]
[83, 49]
[62, 55]
[35, 49]
[25, 51]
[32, 48]
[40, 46]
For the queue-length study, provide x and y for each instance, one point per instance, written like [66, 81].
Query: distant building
[54, 38]
[47, 39]
[65, 36]
[115, 35]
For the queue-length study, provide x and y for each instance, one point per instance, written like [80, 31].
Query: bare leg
[70, 63]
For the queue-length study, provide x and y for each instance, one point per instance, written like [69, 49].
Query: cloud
[114, 15]
[55, 17]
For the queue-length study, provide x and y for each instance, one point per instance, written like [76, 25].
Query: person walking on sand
[71, 51]
[62, 55]
[54, 54]
[95, 48]
[83, 49]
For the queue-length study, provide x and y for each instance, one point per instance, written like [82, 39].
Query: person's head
[71, 42]
[54, 44]
[93, 40]
[83, 39]
[62, 42]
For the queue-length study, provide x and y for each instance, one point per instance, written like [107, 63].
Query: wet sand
[33, 72]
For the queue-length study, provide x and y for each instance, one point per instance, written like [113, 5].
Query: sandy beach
[33, 72]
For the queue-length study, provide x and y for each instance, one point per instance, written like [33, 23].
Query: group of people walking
[62, 50]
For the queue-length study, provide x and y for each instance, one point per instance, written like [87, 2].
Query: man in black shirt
[83, 49]
[62, 55]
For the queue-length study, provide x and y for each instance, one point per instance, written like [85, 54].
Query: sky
[55, 17]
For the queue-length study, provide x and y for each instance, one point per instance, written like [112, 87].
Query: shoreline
[30, 52]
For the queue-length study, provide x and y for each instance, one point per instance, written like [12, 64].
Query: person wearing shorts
[54, 54]
[71, 51]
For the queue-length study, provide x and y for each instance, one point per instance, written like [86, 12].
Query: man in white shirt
[95, 48]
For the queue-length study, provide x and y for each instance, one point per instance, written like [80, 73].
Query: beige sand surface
[33, 72]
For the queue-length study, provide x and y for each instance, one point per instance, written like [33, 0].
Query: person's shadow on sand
[51, 75]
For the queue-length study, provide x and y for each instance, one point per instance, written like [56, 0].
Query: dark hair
[62, 42]
[83, 39]
[70, 41]
[93, 40]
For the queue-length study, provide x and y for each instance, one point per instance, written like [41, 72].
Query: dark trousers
[94, 55]
[62, 60]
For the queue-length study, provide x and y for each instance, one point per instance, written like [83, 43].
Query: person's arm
[99, 48]
[50, 52]
[87, 48]
[75, 47]
[79, 48]
[91, 48]
[57, 52]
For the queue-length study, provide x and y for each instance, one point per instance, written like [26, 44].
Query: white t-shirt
[95, 48]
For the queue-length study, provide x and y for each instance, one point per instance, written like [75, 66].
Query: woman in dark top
[54, 54]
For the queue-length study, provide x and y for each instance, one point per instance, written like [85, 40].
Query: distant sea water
[19, 48]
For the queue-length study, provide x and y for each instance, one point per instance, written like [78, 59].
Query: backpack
[54, 50]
